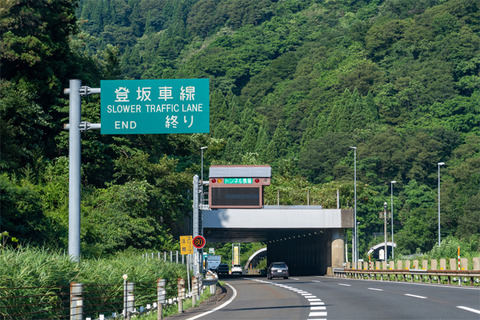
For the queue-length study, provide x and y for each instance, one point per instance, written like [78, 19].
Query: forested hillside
[294, 84]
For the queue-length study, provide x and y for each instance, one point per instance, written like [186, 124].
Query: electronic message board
[237, 186]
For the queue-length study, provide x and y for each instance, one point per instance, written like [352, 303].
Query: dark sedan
[223, 269]
[277, 270]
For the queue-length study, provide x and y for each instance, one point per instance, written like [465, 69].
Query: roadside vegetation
[294, 84]
[43, 275]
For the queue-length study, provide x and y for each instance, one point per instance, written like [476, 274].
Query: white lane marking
[415, 296]
[318, 308]
[344, 284]
[294, 278]
[316, 281]
[316, 304]
[219, 307]
[469, 309]
[375, 289]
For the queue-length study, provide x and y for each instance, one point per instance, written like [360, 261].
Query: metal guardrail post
[181, 294]
[130, 298]
[161, 296]
[194, 290]
[76, 301]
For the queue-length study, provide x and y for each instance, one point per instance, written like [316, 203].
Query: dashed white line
[344, 284]
[415, 296]
[317, 306]
[469, 309]
[375, 289]
[317, 314]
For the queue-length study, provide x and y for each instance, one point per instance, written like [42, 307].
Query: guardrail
[89, 301]
[413, 275]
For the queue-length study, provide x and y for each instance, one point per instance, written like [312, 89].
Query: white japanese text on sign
[155, 106]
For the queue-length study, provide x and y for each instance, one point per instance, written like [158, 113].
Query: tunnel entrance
[306, 253]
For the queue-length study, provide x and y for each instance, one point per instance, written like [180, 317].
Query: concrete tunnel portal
[310, 239]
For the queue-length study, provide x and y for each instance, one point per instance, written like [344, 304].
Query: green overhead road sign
[155, 106]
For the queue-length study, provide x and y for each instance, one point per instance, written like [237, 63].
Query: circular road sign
[199, 242]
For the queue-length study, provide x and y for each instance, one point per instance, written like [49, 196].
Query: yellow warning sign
[186, 245]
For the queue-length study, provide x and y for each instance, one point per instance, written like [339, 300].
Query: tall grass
[47, 276]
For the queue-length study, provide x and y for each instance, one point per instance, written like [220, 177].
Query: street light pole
[355, 236]
[201, 176]
[391, 218]
[202, 148]
[439, 165]
[385, 227]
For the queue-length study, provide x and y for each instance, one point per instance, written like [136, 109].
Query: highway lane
[316, 298]
[363, 299]
[256, 300]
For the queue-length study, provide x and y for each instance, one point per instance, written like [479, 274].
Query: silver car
[277, 270]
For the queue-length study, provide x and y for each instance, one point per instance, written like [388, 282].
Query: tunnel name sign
[155, 106]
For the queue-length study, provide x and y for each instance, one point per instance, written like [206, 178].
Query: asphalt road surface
[315, 298]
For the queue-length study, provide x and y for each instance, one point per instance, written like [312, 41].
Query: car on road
[237, 269]
[277, 270]
[223, 269]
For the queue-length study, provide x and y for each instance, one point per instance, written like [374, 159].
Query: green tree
[22, 126]
[318, 159]
[418, 218]
[22, 215]
[278, 145]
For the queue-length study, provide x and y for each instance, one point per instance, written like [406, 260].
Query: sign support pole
[75, 127]
[196, 220]
[74, 170]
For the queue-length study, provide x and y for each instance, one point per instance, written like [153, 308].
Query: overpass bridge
[310, 239]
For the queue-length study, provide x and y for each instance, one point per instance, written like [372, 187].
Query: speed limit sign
[199, 242]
